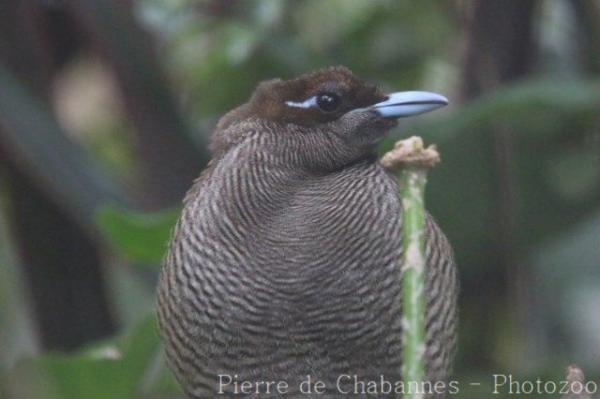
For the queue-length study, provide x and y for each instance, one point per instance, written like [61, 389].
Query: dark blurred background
[106, 107]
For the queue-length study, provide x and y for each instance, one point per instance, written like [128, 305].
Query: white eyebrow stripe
[309, 103]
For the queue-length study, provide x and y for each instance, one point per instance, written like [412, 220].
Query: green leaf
[139, 237]
[113, 371]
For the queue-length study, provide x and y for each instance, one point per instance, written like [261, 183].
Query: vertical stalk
[413, 182]
[411, 160]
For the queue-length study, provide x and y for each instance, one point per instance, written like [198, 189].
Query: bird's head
[328, 107]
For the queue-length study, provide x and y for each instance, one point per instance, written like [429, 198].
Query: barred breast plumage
[285, 262]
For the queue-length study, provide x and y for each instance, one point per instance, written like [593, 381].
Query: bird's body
[285, 266]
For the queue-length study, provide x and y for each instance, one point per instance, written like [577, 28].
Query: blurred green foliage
[138, 237]
[124, 369]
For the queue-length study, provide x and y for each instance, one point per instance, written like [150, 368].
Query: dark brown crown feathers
[268, 102]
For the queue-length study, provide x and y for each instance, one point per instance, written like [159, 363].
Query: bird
[282, 275]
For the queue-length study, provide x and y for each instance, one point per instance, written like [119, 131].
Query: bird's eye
[328, 102]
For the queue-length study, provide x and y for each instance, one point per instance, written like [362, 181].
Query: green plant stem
[411, 160]
[413, 181]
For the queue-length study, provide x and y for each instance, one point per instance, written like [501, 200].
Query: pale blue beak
[408, 103]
